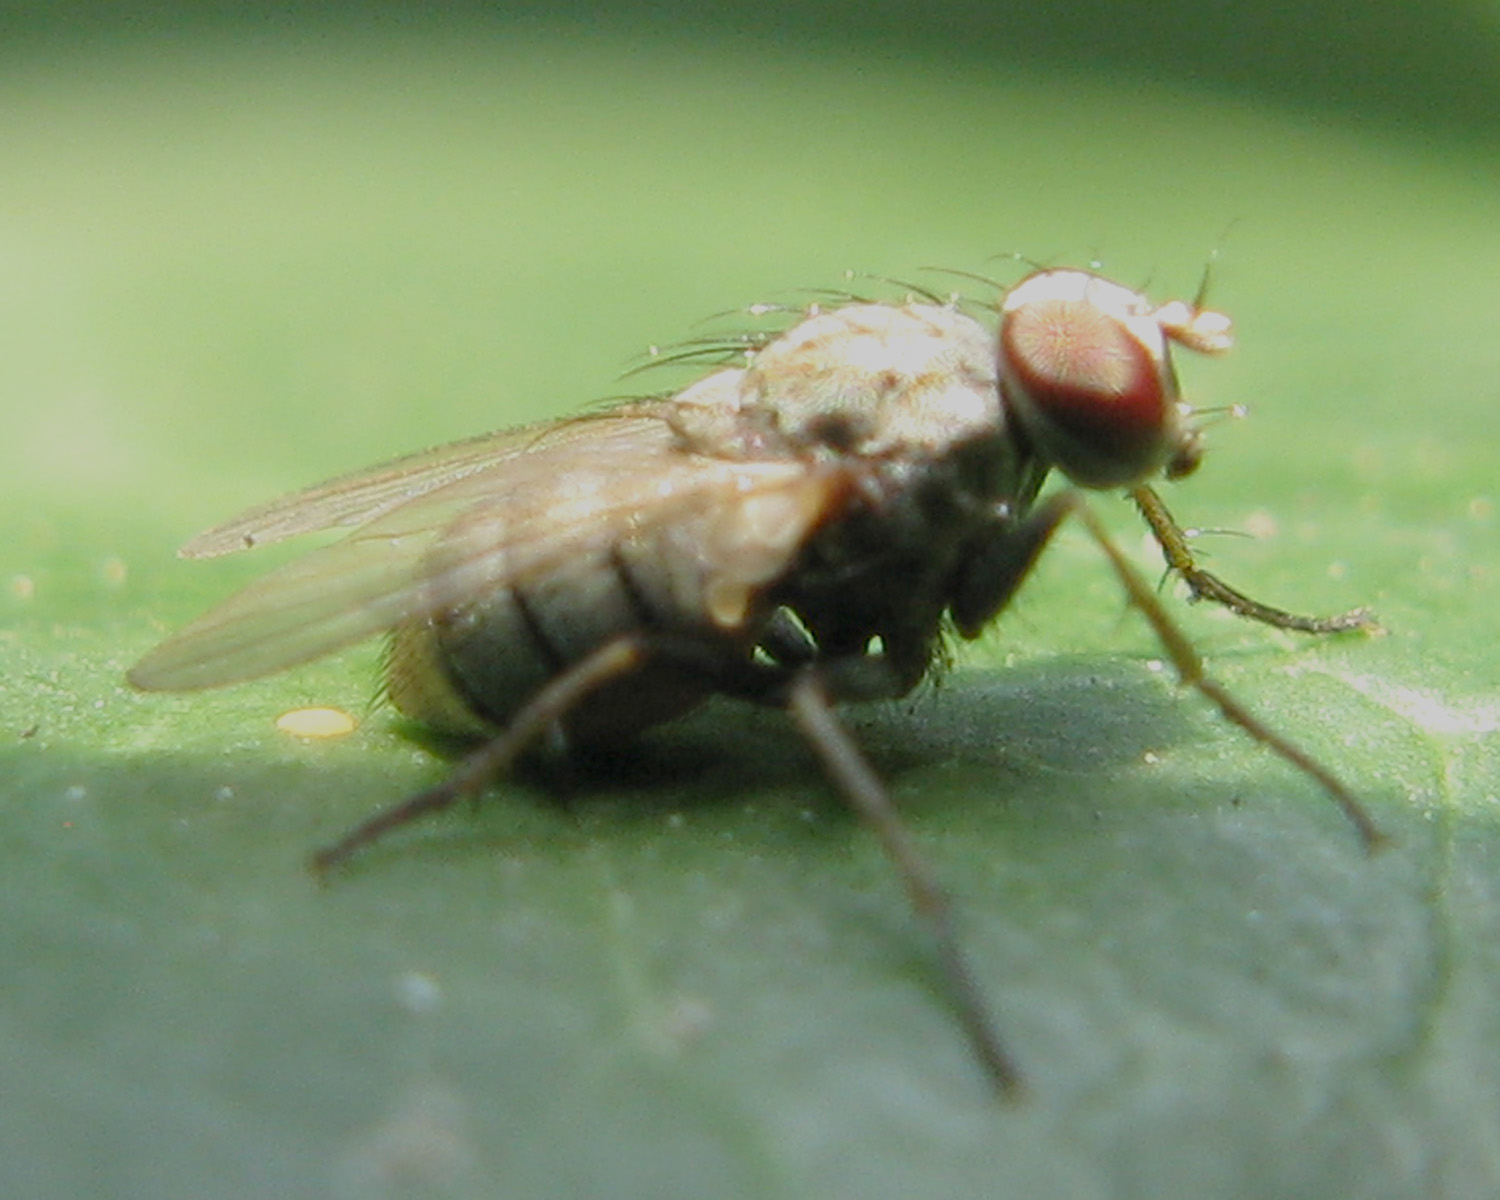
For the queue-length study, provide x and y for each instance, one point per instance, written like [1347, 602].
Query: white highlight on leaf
[1425, 709]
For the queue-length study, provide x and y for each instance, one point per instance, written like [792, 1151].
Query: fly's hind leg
[529, 726]
[811, 707]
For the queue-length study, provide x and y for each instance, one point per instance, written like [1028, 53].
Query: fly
[797, 531]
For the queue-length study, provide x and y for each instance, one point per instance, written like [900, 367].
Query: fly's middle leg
[811, 707]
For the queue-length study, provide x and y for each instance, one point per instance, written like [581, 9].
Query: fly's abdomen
[471, 668]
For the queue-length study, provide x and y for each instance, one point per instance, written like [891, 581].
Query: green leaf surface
[234, 265]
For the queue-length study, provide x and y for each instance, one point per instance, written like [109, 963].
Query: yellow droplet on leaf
[316, 723]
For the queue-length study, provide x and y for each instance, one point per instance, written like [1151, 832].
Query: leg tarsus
[1207, 586]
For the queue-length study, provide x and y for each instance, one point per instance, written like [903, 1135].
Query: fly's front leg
[1189, 665]
[1205, 586]
[996, 573]
[991, 577]
[529, 726]
[811, 707]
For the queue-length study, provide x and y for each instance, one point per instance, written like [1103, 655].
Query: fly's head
[1086, 372]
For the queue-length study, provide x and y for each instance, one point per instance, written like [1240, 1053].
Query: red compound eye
[1085, 372]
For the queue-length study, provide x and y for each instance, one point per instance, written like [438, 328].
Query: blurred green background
[244, 247]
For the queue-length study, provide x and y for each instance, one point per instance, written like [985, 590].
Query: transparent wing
[367, 494]
[566, 496]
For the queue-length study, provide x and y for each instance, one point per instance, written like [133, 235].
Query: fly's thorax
[876, 380]
[890, 566]
[709, 418]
